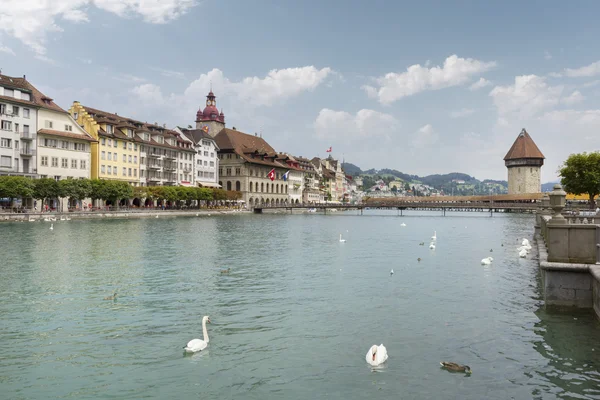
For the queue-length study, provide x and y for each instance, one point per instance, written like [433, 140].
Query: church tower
[210, 116]
[524, 162]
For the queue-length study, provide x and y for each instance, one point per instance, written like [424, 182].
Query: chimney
[24, 77]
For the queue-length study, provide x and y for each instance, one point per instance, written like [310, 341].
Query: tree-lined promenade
[110, 192]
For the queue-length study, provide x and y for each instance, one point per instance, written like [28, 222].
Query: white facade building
[206, 160]
[18, 125]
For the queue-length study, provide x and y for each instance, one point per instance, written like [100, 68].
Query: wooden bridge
[419, 205]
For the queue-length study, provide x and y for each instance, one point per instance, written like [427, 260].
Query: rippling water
[294, 318]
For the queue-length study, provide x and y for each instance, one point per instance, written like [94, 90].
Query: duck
[422, 244]
[376, 355]
[225, 271]
[487, 261]
[419, 259]
[195, 345]
[342, 240]
[51, 227]
[454, 367]
[491, 250]
[113, 297]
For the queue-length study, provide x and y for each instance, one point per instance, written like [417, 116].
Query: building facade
[18, 127]
[524, 162]
[206, 160]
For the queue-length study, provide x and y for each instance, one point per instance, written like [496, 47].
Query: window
[229, 171]
[25, 128]
[206, 154]
[6, 125]
[109, 155]
[103, 169]
[129, 172]
[5, 143]
[82, 164]
[17, 128]
[115, 143]
[115, 158]
[212, 155]
[25, 96]
[129, 157]
[49, 124]
[75, 116]
[125, 145]
[212, 163]
[135, 146]
[5, 161]
[50, 142]
[109, 130]
[124, 158]
[130, 145]
[124, 171]
[26, 113]
[65, 162]
[55, 162]
[114, 170]
[69, 128]
[103, 155]
[57, 178]
[64, 144]
[9, 92]
[135, 159]
[44, 161]
[15, 111]
[109, 142]
[73, 163]
[238, 171]
[2, 108]
[205, 163]
[103, 141]
[135, 172]
[80, 146]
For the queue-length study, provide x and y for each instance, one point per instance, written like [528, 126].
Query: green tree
[117, 190]
[15, 186]
[45, 188]
[406, 186]
[98, 191]
[580, 174]
[394, 189]
[203, 194]
[76, 189]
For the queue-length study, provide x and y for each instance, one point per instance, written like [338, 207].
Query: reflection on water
[295, 316]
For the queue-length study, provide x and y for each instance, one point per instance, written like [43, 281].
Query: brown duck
[450, 366]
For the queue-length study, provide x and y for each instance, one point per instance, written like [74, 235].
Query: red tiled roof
[52, 132]
[37, 97]
[523, 147]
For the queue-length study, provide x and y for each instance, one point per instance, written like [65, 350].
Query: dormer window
[130, 132]
[109, 129]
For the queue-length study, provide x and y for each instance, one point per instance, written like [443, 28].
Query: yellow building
[115, 155]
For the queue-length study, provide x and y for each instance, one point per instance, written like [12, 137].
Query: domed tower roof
[210, 112]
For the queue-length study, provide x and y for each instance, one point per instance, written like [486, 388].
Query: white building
[206, 159]
[18, 125]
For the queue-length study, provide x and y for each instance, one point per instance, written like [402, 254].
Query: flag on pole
[271, 174]
[329, 149]
[285, 176]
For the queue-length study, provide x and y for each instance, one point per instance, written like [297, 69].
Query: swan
[62, 218]
[403, 224]
[522, 253]
[51, 227]
[487, 261]
[434, 237]
[156, 216]
[525, 242]
[392, 272]
[342, 240]
[432, 246]
[195, 345]
[376, 355]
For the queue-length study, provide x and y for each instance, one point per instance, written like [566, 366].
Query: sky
[422, 87]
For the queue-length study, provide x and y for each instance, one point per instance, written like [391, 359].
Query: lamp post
[557, 204]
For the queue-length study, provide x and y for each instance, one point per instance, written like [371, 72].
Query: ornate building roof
[523, 147]
[210, 112]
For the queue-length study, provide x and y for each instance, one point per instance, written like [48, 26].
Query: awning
[209, 184]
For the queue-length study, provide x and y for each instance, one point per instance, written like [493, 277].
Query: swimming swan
[376, 355]
[195, 345]
[487, 261]
[434, 237]
[342, 240]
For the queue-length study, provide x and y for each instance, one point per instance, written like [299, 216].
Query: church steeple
[210, 116]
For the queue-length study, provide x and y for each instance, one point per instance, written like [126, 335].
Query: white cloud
[31, 20]
[547, 55]
[481, 83]
[455, 71]
[529, 95]
[85, 60]
[573, 98]
[8, 50]
[462, 113]
[425, 137]
[592, 83]
[573, 117]
[129, 78]
[589, 70]
[332, 124]
[169, 73]
[148, 93]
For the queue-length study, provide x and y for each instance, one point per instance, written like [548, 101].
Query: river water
[295, 316]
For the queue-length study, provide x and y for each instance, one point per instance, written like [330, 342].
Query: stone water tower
[524, 162]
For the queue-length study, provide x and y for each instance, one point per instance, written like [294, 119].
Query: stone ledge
[559, 266]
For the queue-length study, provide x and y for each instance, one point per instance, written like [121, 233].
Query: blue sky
[433, 87]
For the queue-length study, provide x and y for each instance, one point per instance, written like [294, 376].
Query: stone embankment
[33, 217]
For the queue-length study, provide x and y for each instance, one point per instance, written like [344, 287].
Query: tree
[406, 186]
[15, 187]
[98, 189]
[580, 174]
[45, 188]
[394, 189]
[76, 189]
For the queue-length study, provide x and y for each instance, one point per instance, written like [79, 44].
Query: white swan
[403, 224]
[487, 261]
[525, 242]
[195, 345]
[392, 272]
[523, 253]
[342, 240]
[376, 355]
[51, 227]
[432, 246]
[434, 237]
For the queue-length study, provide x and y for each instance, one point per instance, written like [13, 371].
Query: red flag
[329, 149]
[271, 174]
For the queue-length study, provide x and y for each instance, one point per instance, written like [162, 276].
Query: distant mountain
[548, 186]
[351, 169]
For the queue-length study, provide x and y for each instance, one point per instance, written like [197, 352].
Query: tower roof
[210, 112]
[523, 147]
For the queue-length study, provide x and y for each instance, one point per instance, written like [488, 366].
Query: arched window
[238, 186]
[277, 188]
[262, 187]
[228, 185]
[272, 187]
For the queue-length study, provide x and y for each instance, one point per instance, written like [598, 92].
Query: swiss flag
[271, 174]
[329, 149]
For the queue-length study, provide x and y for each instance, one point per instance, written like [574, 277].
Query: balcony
[187, 170]
[154, 155]
[171, 156]
[25, 152]
[153, 166]
[27, 136]
[170, 167]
